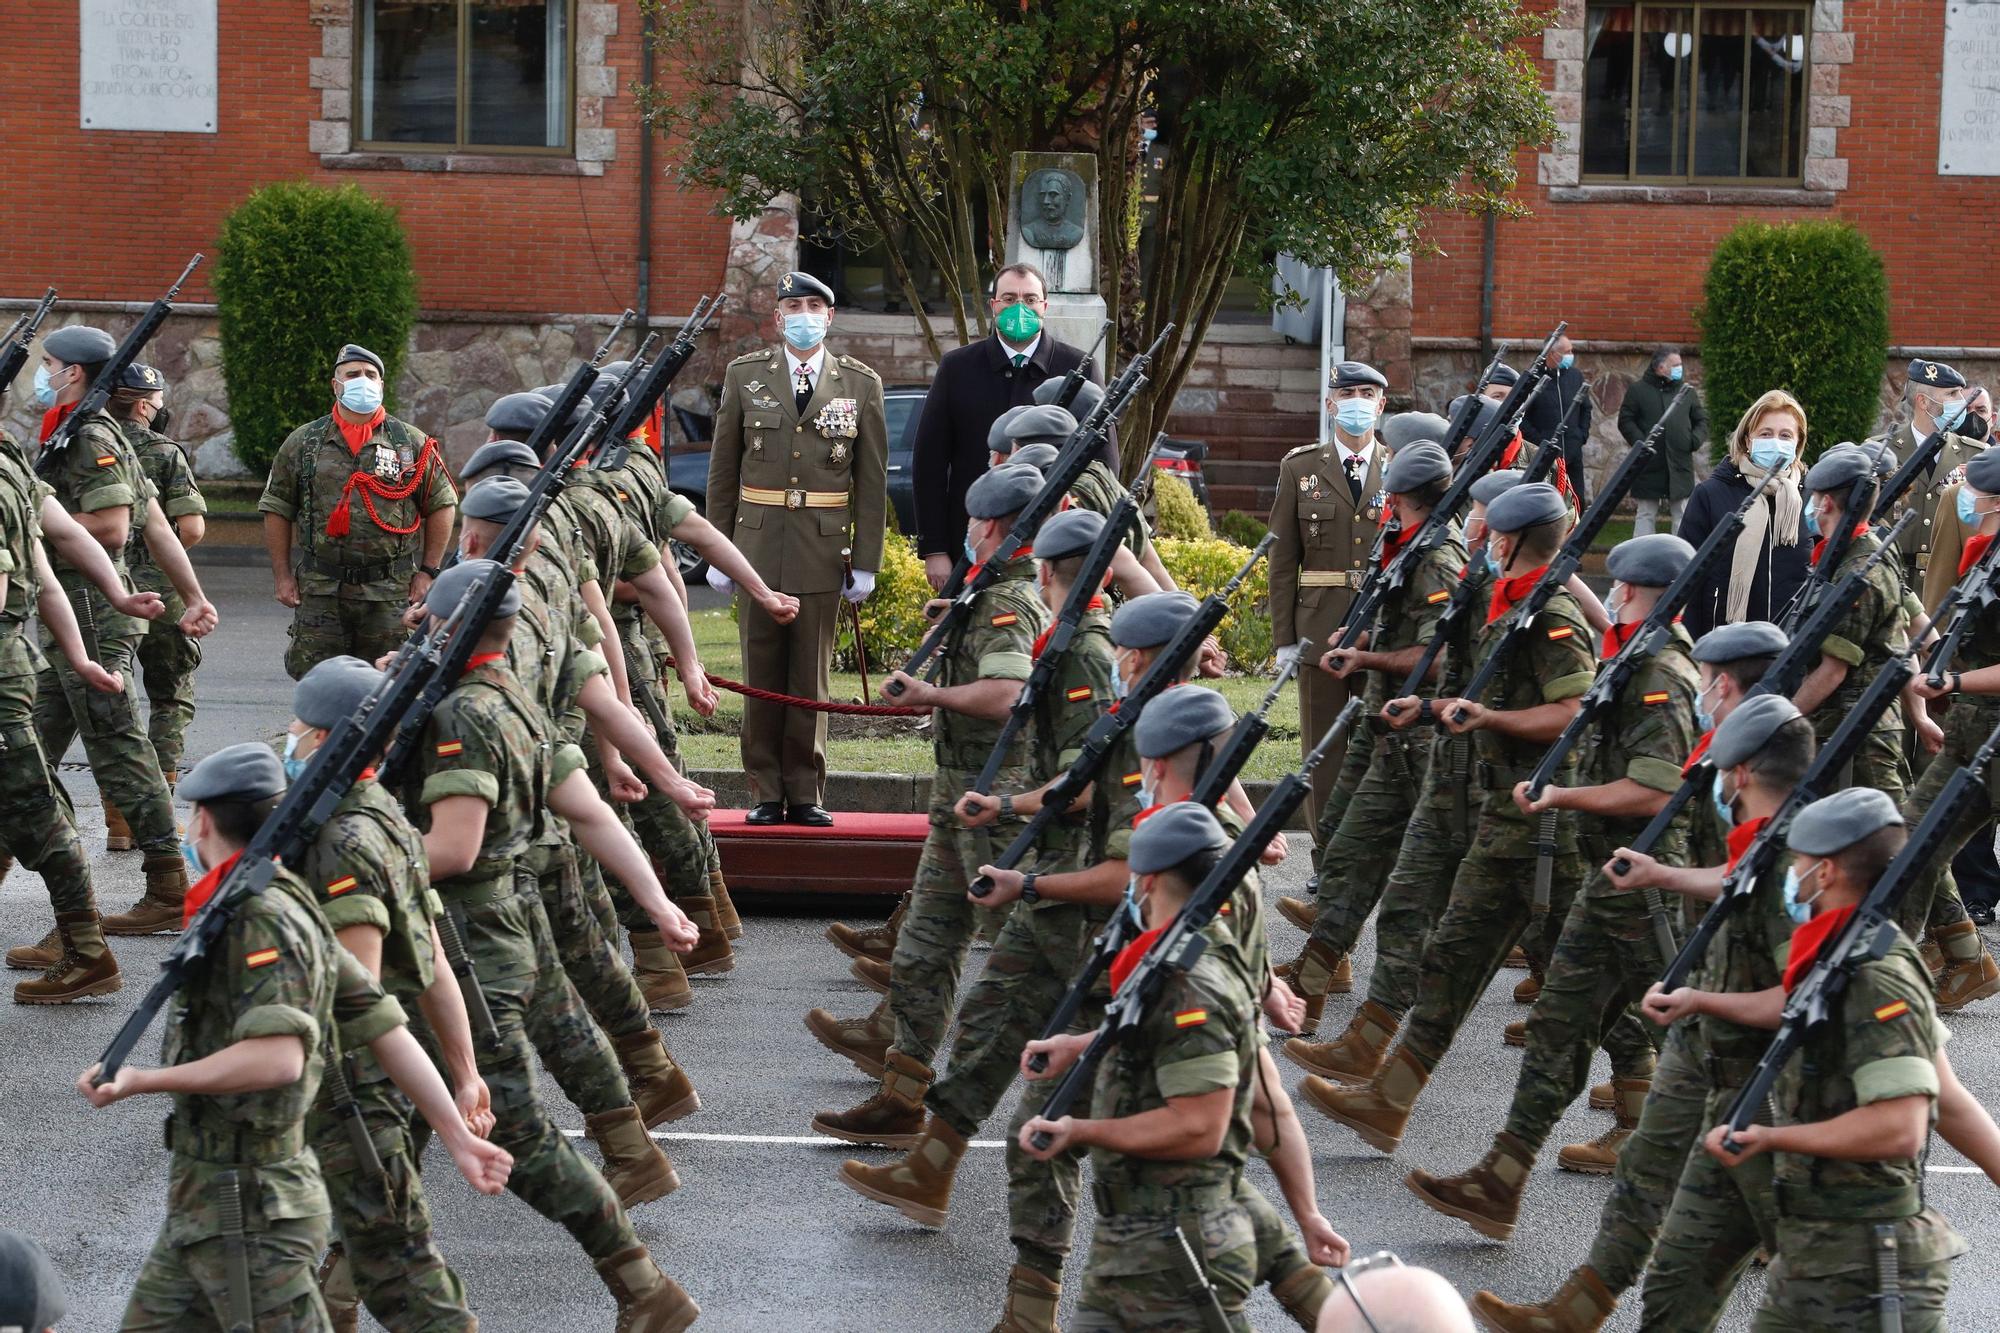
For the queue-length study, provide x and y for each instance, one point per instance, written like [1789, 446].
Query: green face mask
[1018, 323]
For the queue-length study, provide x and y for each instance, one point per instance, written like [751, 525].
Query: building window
[1696, 92]
[493, 75]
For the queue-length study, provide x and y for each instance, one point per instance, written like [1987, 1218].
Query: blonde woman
[1774, 548]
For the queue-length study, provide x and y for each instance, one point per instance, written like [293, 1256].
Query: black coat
[1669, 473]
[974, 385]
[1547, 410]
[1777, 576]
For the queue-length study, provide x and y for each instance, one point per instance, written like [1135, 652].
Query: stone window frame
[1559, 169]
[331, 135]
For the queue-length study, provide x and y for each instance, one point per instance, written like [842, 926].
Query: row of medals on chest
[837, 422]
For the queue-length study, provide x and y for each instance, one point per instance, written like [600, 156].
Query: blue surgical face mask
[1968, 506]
[1812, 519]
[1674, 375]
[805, 330]
[361, 395]
[1769, 454]
[192, 855]
[1723, 808]
[1951, 414]
[1797, 908]
[295, 767]
[1703, 716]
[1568, 360]
[45, 392]
[971, 555]
[1492, 564]
[1355, 415]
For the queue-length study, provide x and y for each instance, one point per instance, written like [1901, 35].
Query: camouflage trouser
[1346, 781]
[1426, 863]
[390, 1258]
[1847, 1301]
[331, 625]
[1649, 1165]
[167, 661]
[680, 847]
[583, 928]
[186, 1287]
[671, 742]
[114, 739]
[1720, 1216]
[1132, 1280]
[1042, 1196]
[1280, 1255]
[1932, 899]
[36, 827]
[1355, 863]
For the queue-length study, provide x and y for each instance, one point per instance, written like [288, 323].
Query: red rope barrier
[813, 705]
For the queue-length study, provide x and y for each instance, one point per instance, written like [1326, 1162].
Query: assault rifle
[20, 336]
[1860, 504]
[658, 379]
[106, 382]
[1073, 381]
[1968, 598]
[574, 391]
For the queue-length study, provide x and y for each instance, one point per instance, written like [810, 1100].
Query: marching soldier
[798, 481]
[367, 499]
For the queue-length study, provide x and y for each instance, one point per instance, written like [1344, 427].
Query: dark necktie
[1353, 465]
[803, 391]
[1020, 359]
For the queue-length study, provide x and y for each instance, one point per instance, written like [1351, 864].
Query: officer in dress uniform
[1937, 396]
[798, 479]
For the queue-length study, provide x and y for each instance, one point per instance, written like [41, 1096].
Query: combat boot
[1933, 957]
[1969, 971]
[1604, 1097]
[635, 1168]
[1599, 1157]
[1515, 1033]
[1528, 989]
[919, 1185]
[712, 955]
[336, 1288]
[657, 969]
[1355, 1055]
[85, 968]
[1379, 1111]
[1301, 912]
[894, 1116]
[875, 976]
[1517, 958]
[1488, 1197]
[661, 1089]
[725, 908]
[877, 942]
[1031, 1303]
[1318, 974]
[1580, 1305]
[117, 833]
[1302, 1295]
[159, 909]
[865, 1041]
[648, 1300]
[37, 957]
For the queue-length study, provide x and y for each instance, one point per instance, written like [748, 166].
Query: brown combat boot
[635, 1168]
[1318, 974]
[919, 1184]
[1604, 1097]
[1515, 1033]
[1528, 989]
[875, 976]
[336, 1288]
[117, 833]
[894, 1116]
[1969, 971]
[37, 957]
[712, 955]
[1489, 1195]
[865, 1041]
[657, 969]
[1379, 1111]
[159, 909]
[1355, 1055]
[661, 1089]
[877, 942]
[85, 968]
[1517, 958]
[1599, 1157]
[1580, 1305]
[648, 1300]
[1933, 957]
[1303, 1294]
[725, 909]
[1301, 912]
[1031, 1303]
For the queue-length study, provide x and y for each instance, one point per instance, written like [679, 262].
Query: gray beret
[1004, 490]
[449, 588]
[1044, 425]
[31, 1295]
[142, 377]
[1181, 717]
[1415, 467]
[1733, 643]
[1505, 374]
[495, 500]
[1041, 457]
[356, 352]
[1833, 823]
[80, 345]
[1749, 728]
[1407, 428]
[1171, 835]
[1148, 621]
[1526, 507]
[1838, 468]
[246, 772]
[1652, 561]
[518, 413]
[1349, 374]
[804, 284]
[496, 454]
[333, 690]
[1088, 395]
[1983, 472]
[1072, 532]
[1496, 484]
[997, 440]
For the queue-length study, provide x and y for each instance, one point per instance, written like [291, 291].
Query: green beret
[1150, 620]
[997, 440]
[1072, 532]
[1002, 491]
[1652, 561]
[1407, 428]
[1496, 484]
[1749, 728]
[1041, 457]
[1833, 823]
[1416, 467]
[1734, 643]
[1041, 425]
[80, 345]
[332, 690]
[803, 284]
[246, 772]
[1982, 474]
[496, 454]
[1183, 716]
[495, 500]
[356, 352]
[1526, 506]
[450, 587]
[1173, 834]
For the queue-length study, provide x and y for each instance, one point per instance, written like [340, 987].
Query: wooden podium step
[859, 854]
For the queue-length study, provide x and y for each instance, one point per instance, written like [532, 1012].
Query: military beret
[142, 377]
[1350, 374]
[1072, 532]
[554, 392]
[1526, 507]
[333, 690]
[1044, 425]
[599, 393]
[246, 772]
[1505, 374]
[803, 284]
[1040, 457]
[1935, 375]
[80, 345]
[1983, 472]
[1496, 484]
[1734, 643]
[1838, 468]
[1486, 414]
[31, 1295]
[997, 440]
[1834, 823]
[1004, 490]
[1414, 467]
[495, 500]
[1173, 834]
[449, 588]
[1179, 718]
[1407, 428]
[356, 352]
[1652, 561]
[1148, 621]
[1088, 395]
[496, 454]
[518, 413]
[1749, 728]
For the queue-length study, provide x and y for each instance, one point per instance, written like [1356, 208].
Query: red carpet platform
[861, 853]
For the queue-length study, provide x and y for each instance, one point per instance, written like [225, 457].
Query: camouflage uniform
[1866, 638]
[1099, 491]
[277, 972]
[1933, 896]
[167, 657]
[353, 588]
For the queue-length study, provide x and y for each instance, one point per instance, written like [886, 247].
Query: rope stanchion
[813, 705]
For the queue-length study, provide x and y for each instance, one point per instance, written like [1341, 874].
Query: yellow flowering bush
[1201, 567]
[892, 619]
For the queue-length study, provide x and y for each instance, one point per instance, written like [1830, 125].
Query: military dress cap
[1173, 834]
[356, 352]
[332, 690]
[450, 587]
[1183, 716]
[1041, 425]
[495, 500]
[803, 284]
[1088, 395]
[1496, 484]
[31, 1295]
[1734, 643]
[1750, 728]
[144, 378]
[246, 772]
[997, 440]
[1505, 374]
[1150, 620]
[1652, 561]
[1838, 468]
[518, 413]
[495, 454]
[1041, 457]
[1003, 490]
[1352, 374]
[1935, 374]
[80, 345]
[1415, 467]
[1983, 472]
[1072, 532]
[1404, 429]
[1526, 507]
[1835, 823]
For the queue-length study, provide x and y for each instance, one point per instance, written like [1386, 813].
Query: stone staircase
[1243, 452]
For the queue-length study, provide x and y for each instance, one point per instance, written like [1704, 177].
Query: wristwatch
[431, 571]
[1007, 805]
[1028, 894]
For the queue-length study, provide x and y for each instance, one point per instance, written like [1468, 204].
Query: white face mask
[361, 395]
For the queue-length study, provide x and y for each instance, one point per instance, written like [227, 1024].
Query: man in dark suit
[1545, 414]
[974, 385]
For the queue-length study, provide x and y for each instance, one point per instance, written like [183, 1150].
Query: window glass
[517, 67]
[465, 73]
[409, 71]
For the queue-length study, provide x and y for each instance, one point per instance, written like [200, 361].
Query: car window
[900, 415]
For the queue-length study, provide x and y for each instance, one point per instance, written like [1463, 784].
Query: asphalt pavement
[761, 1232]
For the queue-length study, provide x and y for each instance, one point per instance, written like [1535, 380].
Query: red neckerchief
[653, 433]
[358, 433]
[1617, 636]
[1129, 957]
[1042, 639]
[1510, 457]
[367, 774]
[481, 659]
[52, 419]
[1148, 813]
[198, 894]
[1392, 542]
[1975, 547]
[1694, 755]
[1507, 592]
[1740, 838]
[1819, 547]
[1019, 551]
[1809, 939]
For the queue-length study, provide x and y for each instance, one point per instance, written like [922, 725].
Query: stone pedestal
[1051, 223]
[1076, 320]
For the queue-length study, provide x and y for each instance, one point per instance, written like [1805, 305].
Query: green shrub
[892, 619]
[1202, 567]
[1176, 513]
[299, 272]
[1246, 530]
[1801, 306]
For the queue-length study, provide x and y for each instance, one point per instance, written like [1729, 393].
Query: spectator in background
[31, 1295]
[1669, 474]
[1546, 415]
[1772, 551]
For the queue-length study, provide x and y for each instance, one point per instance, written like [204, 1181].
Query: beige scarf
[1780, 511]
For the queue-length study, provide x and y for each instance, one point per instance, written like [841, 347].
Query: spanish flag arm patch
[1893, 1009]
[1440, 595]
[1562, 631]
[1655, 697]
[1079, 693]
[1190, 1018]
[106, 460]
[446, 749]
[1130, 780]
[261, 958]
[1005, 618]
[340, 886]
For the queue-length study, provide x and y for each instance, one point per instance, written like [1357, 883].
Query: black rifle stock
[106, 382]
[1969, 597]
[1073, 381]
[21, 336]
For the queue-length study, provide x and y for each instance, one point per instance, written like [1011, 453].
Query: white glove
[719, 581]
[1286, 656]
[860, 583]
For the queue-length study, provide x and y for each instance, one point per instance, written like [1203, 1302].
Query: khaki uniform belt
[795, 499]
[1122, 1199]
[229, 1144]
[1822, 1203]
[1329, 578]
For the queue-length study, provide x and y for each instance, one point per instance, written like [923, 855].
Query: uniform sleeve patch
[1440, 595]
[106, 460]
[1656, 697]
[262, 958]
[450, 748]
[1130, 780]
[1562, 632]
[1894, 1009]
[1190, 1018]
[1004, 618]
[340, 886]
[1080, 692]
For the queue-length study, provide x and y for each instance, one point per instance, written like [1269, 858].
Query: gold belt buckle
[795, 499]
